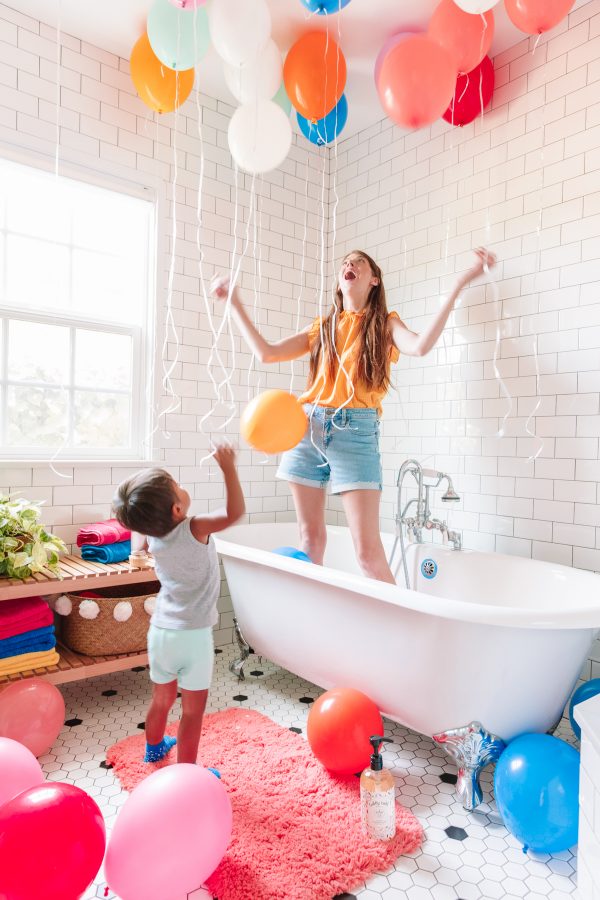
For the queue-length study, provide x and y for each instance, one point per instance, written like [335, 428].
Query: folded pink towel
[23, 614]
[100, 533]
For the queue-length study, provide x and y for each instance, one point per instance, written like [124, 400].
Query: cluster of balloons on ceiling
[444, 72]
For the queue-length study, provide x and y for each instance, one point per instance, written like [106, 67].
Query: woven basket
[104, 635]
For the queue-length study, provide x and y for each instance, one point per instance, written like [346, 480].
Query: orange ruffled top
[334, 393]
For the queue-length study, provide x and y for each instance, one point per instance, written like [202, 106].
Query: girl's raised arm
[411, 344]
[267, 352]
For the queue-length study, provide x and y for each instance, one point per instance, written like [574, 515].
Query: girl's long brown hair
[373, 363]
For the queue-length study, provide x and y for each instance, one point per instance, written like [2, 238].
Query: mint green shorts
[183, 655]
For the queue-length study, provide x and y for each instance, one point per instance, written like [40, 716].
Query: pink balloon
[537, 16]
[187, 4]
[52, 841]
[416, 82]
[33, 713]
[19, 769]
[170, 835]
[392, 41]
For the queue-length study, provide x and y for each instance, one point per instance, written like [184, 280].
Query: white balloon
[476, 7]
[257, 78]
[260, 136]
[239, 29]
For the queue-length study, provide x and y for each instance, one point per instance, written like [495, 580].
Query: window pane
[36, 203]
[37, 417]
[38, 352]
[103, 359]
[101, 420]
[37, 273]
[106, 286]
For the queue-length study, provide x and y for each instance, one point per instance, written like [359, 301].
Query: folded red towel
[23, 614]
[101, 533]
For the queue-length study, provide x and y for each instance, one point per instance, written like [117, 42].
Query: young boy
[180, 641]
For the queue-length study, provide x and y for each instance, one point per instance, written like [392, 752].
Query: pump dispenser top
[376, 757]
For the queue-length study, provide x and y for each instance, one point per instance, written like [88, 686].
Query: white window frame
[143, 335]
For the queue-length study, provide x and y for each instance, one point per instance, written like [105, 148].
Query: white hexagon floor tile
[464, 856]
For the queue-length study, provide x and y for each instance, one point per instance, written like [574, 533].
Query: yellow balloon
[273, 422]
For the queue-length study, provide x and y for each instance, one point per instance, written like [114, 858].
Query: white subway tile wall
[508, 404]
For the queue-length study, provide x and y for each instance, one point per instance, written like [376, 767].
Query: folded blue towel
[30, 642]
[26, 637]
[108, 553]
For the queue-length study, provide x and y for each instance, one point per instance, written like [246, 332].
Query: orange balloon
[314, 74]
[161, 88]
[416, 81]
[467, 37]
[273, 422]
[537, 16]
[339, 726]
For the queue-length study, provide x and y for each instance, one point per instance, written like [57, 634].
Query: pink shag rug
[296, 827]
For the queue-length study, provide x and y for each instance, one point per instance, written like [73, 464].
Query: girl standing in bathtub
[347, 382]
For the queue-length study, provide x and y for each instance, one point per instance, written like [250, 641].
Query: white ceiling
[364, 25]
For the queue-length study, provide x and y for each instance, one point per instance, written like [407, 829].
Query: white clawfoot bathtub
[492, 638]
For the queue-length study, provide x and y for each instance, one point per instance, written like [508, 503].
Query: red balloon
[52, 841]
[339, 726]
[467, 38]
[416, 81]
[472, 94]
[537, 16]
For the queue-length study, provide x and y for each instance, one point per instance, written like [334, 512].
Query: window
[75, 280]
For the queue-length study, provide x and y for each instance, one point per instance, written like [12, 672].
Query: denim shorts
[185, 656]
[343, 452]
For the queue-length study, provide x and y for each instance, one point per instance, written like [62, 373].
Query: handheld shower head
[450, 495]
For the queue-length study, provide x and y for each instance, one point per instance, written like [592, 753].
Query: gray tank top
[189, 577]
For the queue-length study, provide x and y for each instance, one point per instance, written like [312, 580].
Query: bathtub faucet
[416, 514]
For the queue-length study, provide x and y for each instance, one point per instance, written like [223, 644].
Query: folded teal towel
[108, 553]
[29, 642]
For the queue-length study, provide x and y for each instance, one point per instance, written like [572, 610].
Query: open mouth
[350, 275]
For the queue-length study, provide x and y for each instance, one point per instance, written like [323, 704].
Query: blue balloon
[584, 692]
[325, 130]
[293, 553]
[536, 784]
[324, 7]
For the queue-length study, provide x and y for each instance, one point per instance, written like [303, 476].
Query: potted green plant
[25, 545]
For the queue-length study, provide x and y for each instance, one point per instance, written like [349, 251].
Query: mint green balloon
[178, 37]
[281, 99]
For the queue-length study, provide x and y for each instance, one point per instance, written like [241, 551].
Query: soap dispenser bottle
[378, 797]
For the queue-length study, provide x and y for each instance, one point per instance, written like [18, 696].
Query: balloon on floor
[19, 767]
[584, 692]
[33, 713]
[536, 785]
[340, 723]
[273, 421]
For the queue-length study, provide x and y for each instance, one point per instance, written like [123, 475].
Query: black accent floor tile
[109, 693]
[141, 725]
[218, 650]
[456, 834]
[296, 730]
[345, 897]
[257, 672]
[240, 697]
[307, 699]
[448, 778]
[138, 668]
[105, 765]
[73, 722]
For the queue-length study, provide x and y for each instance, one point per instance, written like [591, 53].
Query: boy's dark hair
[144, 502]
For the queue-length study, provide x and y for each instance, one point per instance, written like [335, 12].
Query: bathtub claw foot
[472, 748]
[237, 666]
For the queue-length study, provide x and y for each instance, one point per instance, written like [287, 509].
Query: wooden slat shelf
[74, 666]
[76, 574]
